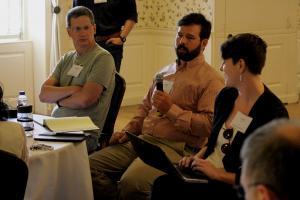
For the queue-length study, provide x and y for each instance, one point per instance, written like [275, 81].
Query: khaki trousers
[117, 172]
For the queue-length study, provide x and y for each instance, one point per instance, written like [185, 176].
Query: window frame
[16, 35]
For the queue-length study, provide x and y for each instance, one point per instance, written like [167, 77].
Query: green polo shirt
[98, 66]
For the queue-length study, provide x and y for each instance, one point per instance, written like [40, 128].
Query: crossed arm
[75, 97]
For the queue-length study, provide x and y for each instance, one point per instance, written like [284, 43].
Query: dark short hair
[247, 46]
[77, 12]
[197, 19]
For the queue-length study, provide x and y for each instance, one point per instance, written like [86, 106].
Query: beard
[184, 54]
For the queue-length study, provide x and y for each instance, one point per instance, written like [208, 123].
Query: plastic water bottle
[22, 99]
[24, 113]
[25, 118]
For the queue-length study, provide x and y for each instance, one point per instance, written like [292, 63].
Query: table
[62, 173]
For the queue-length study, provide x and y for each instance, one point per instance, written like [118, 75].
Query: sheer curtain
[55, 52]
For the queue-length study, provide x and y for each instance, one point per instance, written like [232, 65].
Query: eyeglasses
[227, 134]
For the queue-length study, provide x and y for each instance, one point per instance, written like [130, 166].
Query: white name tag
[241, 122]
[75, 70]
[167, 86]
[100, 1]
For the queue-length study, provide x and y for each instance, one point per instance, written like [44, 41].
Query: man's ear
[204, 42]
[263, 193]
[94, 27]
[69, 30]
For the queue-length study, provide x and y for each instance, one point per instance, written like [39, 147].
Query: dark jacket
[266, 108]
[110, 15]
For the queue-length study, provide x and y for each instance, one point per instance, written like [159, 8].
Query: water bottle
[25, 118]
[22, 99]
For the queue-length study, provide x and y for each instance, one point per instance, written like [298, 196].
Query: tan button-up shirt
[189, 120]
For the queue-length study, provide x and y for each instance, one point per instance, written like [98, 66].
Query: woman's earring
[241, 78]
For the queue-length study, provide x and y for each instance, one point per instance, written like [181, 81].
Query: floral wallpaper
[164, 14]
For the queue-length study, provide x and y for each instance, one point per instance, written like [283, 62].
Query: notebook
[60, 137]
[64, 124]
[154, 156]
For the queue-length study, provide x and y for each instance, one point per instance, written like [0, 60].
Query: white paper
[75, 70]
[241, 122]
[167, 86]
[100, 1]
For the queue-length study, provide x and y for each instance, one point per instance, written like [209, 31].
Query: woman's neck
[251, 88]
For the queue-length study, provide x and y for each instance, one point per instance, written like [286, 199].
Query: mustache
[182, 47]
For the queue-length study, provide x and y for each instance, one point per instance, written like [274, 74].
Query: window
[11, 19]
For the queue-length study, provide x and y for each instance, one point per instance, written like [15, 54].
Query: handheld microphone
[159, 79]
[159, 82]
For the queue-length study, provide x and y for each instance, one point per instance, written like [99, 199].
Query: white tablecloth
[62, 173]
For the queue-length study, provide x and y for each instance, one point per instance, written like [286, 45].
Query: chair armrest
[103, 140]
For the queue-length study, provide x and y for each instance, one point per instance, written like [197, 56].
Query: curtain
[55, 52]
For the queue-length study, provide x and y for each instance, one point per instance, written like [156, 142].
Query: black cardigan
[266, 108]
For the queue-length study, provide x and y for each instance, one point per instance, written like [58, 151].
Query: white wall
[16, 70]
[276, 25]
[298, 47]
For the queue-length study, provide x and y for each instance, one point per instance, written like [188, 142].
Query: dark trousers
[116, 51]
[170, 187]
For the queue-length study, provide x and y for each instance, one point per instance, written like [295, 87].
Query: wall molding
[16, 70]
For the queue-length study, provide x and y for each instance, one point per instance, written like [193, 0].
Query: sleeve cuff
[173, 112]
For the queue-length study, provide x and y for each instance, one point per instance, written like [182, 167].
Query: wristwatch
[123, 39]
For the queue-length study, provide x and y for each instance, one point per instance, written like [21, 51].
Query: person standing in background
[114, 21]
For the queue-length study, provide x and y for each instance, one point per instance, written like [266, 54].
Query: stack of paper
[65, 124]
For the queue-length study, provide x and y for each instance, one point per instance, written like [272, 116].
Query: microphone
[159, 79]
[159, 82]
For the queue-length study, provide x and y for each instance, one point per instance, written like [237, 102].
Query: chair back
[14, 175]
[115, 104]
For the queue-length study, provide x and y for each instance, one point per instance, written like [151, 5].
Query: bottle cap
[24, 109]
[22, 92]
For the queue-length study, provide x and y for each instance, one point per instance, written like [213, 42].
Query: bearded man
[177, 119]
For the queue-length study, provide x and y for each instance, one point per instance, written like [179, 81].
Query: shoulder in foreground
[11, 125]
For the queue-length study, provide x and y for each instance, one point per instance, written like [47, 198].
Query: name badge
[167, 86]
[100, 1]
[241, 122]
[75, 70]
